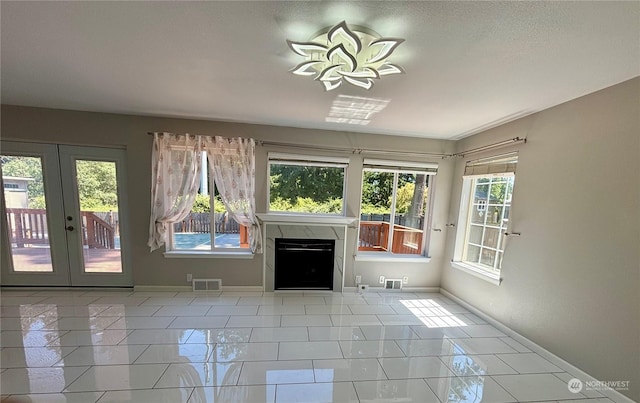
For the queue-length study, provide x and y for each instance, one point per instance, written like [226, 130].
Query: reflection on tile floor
[102, 346]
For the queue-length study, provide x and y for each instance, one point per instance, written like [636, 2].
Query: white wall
[571, 282]
[101, 129]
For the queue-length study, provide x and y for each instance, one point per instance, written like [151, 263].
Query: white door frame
[60, 189]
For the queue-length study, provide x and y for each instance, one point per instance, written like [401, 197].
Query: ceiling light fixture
[356, 55]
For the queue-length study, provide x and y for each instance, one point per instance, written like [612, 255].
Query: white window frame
[397, 167]
[308, 160]
[207, 183]
[485, 168]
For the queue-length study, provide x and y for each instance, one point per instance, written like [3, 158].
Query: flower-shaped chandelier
[357, 56]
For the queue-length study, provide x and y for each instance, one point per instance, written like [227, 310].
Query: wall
[101, 129]
[571, 282]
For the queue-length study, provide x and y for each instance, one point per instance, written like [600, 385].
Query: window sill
[388, 257]
[477, 272]
[208, 255]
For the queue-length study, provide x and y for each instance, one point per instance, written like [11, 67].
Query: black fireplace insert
[304, 264]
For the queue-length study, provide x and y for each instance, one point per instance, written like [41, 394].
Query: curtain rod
[351, 150]
[492, 146]
[327, 148]
[176, 134]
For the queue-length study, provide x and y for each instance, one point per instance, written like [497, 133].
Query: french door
[64, 220]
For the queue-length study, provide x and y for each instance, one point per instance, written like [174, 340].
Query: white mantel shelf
[295, 219]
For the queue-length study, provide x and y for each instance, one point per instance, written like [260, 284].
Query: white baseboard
[583, 376]
[188, 288]
[152, 288]
[242, 288]
[354, 290]
[421, 289]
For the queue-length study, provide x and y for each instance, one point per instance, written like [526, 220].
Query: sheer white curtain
[174, 183]
[232, 165]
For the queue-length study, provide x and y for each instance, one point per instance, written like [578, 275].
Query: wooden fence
[201, 223]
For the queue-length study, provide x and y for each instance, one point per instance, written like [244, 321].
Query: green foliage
[26, 167]
[498, 189]
[377, 189]
[368, 208]
[307, 205]
[405, 197]
[97, 185]
[202, 204]
[318, 183]
[37, 202]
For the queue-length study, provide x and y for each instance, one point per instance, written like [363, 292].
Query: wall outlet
[405, 279]
[381, 280]
[189, 277]
[358, 279]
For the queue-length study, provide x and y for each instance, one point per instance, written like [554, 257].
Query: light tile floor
[118, 346]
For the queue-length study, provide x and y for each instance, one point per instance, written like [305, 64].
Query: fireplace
[304, 264]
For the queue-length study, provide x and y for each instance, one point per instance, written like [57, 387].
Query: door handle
[69, 228]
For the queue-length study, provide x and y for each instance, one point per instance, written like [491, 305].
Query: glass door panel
[26, 213]
[95, 209]
[34, 240]
[98, 197]
[63, 219]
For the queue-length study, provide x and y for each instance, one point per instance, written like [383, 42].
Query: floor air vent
[207, 284]
[393, 284]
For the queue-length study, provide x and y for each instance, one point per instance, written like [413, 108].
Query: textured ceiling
[469, 65]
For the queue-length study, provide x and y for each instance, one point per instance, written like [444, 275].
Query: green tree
[97, 185]
[202, 204]
[96, 180]
[377, 190]
[289, 182]
[26, 167]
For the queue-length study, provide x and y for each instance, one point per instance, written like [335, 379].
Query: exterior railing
[29, 227]
[374, 236]
[96, 232]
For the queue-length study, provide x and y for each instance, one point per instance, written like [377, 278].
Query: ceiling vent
[207, 284]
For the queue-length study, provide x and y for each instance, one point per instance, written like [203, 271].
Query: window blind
[500, 164]
[405, 166]
[302, 159]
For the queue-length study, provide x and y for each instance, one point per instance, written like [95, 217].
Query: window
[11, 186]
[304, 184]
[208, 227]
[394, 207]
[484, 214]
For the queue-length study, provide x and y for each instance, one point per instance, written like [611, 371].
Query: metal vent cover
[206, 284]
[393, 284]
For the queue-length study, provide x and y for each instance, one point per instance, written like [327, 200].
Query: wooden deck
[38, 259]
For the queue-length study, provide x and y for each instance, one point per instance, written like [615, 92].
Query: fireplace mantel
[304, 227]
[306, 219]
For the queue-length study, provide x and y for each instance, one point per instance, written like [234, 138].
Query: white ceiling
[469, 65]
